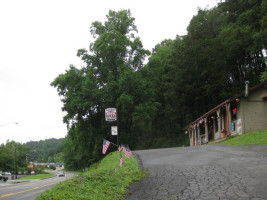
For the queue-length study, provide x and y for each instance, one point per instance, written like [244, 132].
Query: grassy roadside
[39, 176]
[105, 180]
[252, 138]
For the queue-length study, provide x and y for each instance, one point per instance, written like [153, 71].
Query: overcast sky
[39, 40]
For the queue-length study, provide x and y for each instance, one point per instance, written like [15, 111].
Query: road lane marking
[18, 185]
[35, 188]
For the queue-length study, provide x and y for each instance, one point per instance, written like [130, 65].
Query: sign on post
[29, 166]
[114, 130]
[111, 114]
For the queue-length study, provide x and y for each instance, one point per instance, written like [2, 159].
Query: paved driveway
[205, 172]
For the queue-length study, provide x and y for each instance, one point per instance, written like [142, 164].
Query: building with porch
[243, 113]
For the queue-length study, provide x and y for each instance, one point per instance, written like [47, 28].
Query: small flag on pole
[127, 151]
[105, 146]
[121, 160]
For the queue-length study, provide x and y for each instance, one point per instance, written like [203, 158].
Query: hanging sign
[114, 130]
[111, 114]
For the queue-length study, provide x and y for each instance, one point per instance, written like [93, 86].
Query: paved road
[206, 172]
[27, 190]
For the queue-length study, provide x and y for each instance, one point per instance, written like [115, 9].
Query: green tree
[13, 154]
[113, 57]
[244, 38]
[44, 150]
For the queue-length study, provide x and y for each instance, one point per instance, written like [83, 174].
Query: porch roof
[226, 102]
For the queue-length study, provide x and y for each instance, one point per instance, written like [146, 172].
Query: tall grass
[103, 181]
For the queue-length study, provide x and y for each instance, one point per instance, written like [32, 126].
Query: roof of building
[226, 102]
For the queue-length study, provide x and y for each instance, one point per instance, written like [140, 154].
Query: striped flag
[105, 146]
[127, 151]
[121, 160]
[120, 148]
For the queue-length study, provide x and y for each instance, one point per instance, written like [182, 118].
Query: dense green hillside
[49, 150]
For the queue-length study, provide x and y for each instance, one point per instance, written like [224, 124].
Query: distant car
[33, 172]
[61, 174]
[3, 178]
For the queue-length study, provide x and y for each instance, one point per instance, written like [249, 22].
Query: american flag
[105, 146]
[127, 151]
[120, 148]
[121, 160]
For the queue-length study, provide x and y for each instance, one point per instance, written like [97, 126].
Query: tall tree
[113, 57]
[244, 39]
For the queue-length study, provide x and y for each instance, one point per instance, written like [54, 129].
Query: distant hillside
[49, 150]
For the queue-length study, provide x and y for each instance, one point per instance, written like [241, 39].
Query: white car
[61, 174]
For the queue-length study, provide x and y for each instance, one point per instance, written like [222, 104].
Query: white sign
[239, 126]
[114, 130]
[111, 114]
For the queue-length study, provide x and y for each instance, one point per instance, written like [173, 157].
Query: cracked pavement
[203, 172]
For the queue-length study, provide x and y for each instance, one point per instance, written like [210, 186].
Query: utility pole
[15, 161]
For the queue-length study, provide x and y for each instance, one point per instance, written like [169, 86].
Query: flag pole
[117, 124]
[111, 143]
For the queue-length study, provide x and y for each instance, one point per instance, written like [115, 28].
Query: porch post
[195, 138]
[206, 130]
[219, 121]
[198, 134]
[214, 130]
[228, 113]
[222, 122]
[191, 137]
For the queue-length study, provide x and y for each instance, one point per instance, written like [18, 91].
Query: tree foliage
[183, 78]
[44, 151]
[112, 59]
[13, 154]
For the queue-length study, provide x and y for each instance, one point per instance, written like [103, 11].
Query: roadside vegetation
[256, 138]
[39, 176]
[104, 180]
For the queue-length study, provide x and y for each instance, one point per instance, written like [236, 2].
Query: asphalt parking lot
[204, 172]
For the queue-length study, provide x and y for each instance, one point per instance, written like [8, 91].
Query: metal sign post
[111, 116]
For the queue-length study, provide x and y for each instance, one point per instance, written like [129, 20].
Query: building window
[233, 110]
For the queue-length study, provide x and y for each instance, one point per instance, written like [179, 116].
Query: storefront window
[233, 110]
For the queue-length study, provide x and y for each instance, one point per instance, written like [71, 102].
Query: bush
[52, 167]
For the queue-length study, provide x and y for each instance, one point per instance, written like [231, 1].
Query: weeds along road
[204, 172]
[28, 190]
